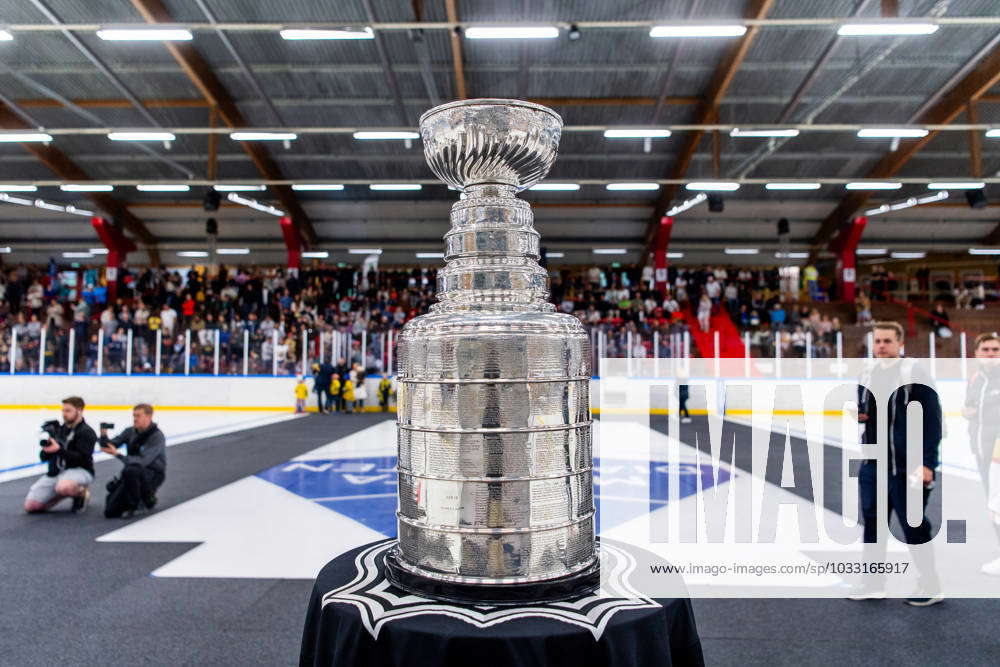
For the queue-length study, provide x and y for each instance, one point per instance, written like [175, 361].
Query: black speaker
[212, 200]
[976, 198]
[783, 228]
[211, 227]
[716, 204]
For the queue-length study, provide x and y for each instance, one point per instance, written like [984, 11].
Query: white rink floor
[21, 431]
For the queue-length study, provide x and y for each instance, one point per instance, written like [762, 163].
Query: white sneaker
[868, 595]
[993, 568]
[924, 602]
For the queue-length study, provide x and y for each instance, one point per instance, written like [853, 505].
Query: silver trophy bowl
[494, 430]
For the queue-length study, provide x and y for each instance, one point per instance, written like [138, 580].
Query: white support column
[41, 351]
[100, 351]
[364, 349]
[246, 352]
[716, 351]
[388, 366]
[159, 346]
[128, 353]
[932, 352]
[870, 344]
[71, 352]
[777, 353]
[187, 352]
[840, 346]
[322, 351]
[215, 356]
[274, 352]
[962, 354]
[687, 344]
[12, 356]
[656, 344]
[809, 354]
[305, 352]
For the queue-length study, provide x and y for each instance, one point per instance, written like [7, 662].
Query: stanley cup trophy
[495, 466]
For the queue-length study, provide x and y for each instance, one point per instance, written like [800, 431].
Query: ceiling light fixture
[610, 251]
[394, 186]
[873, 185]
[793, 185]
[555, 187]
[636, 133]
[737, 132]
[555, 255]
[871, 251]
[163, 187]
[430, 255]
[875, 29]
[145, 35]
[742, 251]
[192, 253]
[6, 36]
[733, 30]
[957, 185]
[675, 255]
[25, 137]
[238, 188]
[263, 136]
[892, 133]
[254, 204]
[86, 187]
[294, 34]
[78, 255]
[13, 187]
[908, 255]
[141, 136]
[632, 186]
[714, 186]
[386, 134]
[364, 251]
[315, 254]
[685, 205]
[98, 251]
[316, 187]
[512, 32]
[984, 251]
[233, 251]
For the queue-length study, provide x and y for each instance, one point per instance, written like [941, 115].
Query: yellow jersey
[301, 390]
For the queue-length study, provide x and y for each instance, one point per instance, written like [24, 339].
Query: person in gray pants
[145, 459]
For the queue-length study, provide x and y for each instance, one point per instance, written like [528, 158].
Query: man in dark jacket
[896, 382]
[70, 455]
[322, 374]
[981, 400]
[145, 464]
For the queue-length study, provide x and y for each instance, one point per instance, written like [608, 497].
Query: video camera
[51, 427]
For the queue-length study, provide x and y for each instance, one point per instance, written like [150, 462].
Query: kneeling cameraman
[69, 451]
[145, 464]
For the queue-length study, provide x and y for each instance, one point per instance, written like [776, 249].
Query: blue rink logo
[364, 489]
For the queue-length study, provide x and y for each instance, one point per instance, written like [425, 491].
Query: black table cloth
[356, 617]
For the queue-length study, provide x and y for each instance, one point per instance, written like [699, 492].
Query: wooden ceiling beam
[206, 81]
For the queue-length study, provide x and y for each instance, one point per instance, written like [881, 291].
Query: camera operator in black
[145, 464]
[69, 451]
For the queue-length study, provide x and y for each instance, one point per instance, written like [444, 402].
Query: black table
[356, 617]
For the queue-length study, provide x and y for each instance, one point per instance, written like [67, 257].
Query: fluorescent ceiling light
[725, 186]
[365, 251]
[5, 36]
[263, 136]
[675, 255]
[141, 136]
[610, 251]
[163, 187]
[984, 251]
[395, 186]
[86, 187]
[22, 137]
[145, 35]
[233, 251]
[343, 33]
[254, 204]
[77, 255]
[47, 206]
[698, 30]
[791, 185]
[316, 254]
[239, 188]
[193, 253]
[6, 250]
[636, 133]
[892, 133]
[10, 199]
[685, 205]
[873, 185]
[632, 186]
[871, 251]
[555, 255]
[430, 255]
[908, 255]
[957, 185]
[13, 187]
[556, 187]
[868, 29]
[742, 251]
[388, 134]
[791, 255]
[992, 134]
[512, 32]
[98, 251]
[737, 132]
[315, 187]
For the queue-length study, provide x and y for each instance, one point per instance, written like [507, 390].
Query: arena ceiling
[790, 69]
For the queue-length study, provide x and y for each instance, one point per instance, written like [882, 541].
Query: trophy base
[569, 587]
